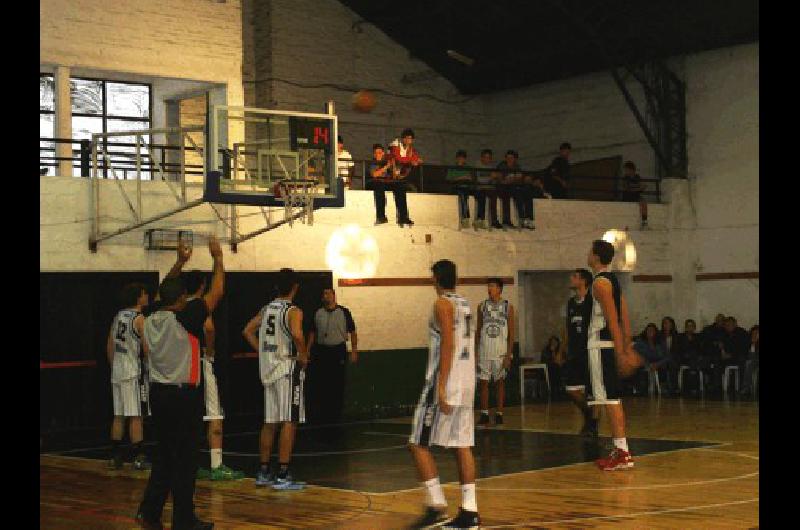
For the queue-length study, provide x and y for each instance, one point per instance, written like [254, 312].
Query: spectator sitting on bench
[690, 351]
[751, 364]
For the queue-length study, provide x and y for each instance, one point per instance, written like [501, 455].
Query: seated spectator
[632, 189]
[508, 185]
[512, 185]
[380, 171]
[751, 364]
[668, 337]
[651, 350]
[689, 350]
[486, 190]
[462, 183]
[344, 161]
[559, 172]
[733, 350]
[537, 189]
[554, 358]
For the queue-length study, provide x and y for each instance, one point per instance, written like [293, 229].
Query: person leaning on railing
[462, 184]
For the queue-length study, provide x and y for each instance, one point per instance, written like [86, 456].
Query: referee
[172, 333]
[328, 343]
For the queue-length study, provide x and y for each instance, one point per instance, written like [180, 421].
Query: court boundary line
[625, 516]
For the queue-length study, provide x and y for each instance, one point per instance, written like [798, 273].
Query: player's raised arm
[296, 327]
[602, 292]
[211, 334]
[444, 318]
[250, 331]
[184, 253]
[214, 294]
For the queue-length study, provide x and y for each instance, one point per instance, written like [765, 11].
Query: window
[100, 106]
[46, 123]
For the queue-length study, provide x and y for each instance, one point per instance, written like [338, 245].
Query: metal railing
[432, 178]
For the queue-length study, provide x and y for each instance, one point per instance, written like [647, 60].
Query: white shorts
[284, 400]
[211, 392]
[491, 369]
[431, 427]
[128, 396]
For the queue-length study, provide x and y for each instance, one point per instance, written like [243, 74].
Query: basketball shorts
[491, 369]
[283, 398]
[605, 381]
[127, 397]
[576, 371]
[213, 404]
[430, 426]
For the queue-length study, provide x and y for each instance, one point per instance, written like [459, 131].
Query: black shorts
[605, 381]
[631, 196]
[576, 371]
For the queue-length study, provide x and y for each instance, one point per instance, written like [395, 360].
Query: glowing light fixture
[350, 253]
[624, 249]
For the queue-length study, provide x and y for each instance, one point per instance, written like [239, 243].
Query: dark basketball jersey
[579, 314]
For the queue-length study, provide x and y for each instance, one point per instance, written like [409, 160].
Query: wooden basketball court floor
[697, 466]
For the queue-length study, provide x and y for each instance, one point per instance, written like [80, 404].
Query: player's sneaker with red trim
[618, 459]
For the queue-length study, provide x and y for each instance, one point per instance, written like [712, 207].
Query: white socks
[435, 494]
[468, 501]
[216, 458]
[621, 443]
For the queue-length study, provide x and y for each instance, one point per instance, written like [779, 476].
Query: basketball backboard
[250, 150]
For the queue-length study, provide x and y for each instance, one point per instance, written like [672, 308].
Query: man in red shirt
[405, 158]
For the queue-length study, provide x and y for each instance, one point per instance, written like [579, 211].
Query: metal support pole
[183, 166]
[138, 177]
[94, 241]
[95, 194]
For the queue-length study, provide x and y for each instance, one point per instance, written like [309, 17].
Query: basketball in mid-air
[364, 101]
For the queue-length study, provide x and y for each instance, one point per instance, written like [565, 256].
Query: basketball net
[298, 200]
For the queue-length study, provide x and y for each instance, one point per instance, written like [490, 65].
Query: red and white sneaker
[618, 459]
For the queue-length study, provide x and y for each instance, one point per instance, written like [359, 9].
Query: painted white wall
[723, 124]
[389, 317]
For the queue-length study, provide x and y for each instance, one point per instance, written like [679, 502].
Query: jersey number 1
[468, 325]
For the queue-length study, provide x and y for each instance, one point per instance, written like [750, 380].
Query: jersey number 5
[271, 325]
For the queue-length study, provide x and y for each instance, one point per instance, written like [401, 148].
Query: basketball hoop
[297, 196]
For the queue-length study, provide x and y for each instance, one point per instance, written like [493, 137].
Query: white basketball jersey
[460, 388]
[494, 329]
[276, 345]
[127, 347]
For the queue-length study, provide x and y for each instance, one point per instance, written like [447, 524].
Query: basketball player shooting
[494, 343]
[444, 415]
[610, 351]
[123, 349]
[282, 359]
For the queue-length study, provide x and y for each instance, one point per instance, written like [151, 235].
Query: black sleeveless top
[579, 315]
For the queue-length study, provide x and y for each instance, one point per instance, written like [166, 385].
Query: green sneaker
[223, 472]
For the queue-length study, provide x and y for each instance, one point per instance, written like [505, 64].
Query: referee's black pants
[328, 370]
[178, 421]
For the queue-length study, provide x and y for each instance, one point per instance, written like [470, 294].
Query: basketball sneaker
[464, 519]
[496, 225]
[498, 419]
[484, 419]
[223, 472]
[140, 463]
[287, 484]
[265, 479]
[405, 222]
[618, 459]
[381, 221]
[465, 223]
[432, 518]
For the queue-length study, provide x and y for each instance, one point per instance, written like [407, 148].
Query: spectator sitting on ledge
[559, 172]
[462, 183]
